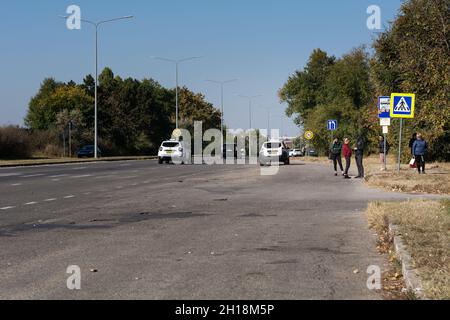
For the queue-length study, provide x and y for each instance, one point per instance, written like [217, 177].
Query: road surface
[154, 231]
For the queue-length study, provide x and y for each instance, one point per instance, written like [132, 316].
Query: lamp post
[250, 101]
[97, 25]
[177, 64]
[222, 84]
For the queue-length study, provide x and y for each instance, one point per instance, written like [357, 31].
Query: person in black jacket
[336, 156]
[382, 151]
[411, 143]
[359, 153]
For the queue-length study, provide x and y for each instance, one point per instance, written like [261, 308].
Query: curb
[50, 163]
[410, 273]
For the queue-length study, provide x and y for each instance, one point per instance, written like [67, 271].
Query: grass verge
[35, 162]
[425, 228]
[436, 181]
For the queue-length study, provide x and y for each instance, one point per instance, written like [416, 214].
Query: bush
[14, 143]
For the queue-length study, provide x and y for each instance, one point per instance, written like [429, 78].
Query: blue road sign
[332, 125]
[384, 107]
[403, 105]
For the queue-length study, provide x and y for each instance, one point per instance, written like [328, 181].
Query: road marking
[3, 175]
[69, 197]
[16, 184]
[87, 193]
[33, 175]
[81, 168]
[56, 180]
[30, 203]
[50, 200]
[134, 184]
[6, 208]
[82, 176]
[59, 176]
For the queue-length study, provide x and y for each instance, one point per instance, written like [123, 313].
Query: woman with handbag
[420, 149]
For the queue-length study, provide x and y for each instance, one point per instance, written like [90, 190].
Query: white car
[295, 153]
[173, 151]
[274, 151]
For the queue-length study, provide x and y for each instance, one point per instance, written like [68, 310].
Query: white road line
[59, 176]
[6, 208]
[87, 193]
[81, 168]
[69, 197]
[30, 203]
[33, 175]
[82, 176]
[16, 184]
[4, 175]
[50, 200]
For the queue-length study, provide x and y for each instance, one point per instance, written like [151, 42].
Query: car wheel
[160, 161]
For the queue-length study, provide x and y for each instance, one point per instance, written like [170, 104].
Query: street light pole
[177, 63]
[222, 84]
[97, 25]
[250, 100]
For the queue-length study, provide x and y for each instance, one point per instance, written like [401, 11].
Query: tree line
[412, 55]
[134, 117]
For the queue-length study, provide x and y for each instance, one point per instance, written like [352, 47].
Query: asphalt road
[185, 232]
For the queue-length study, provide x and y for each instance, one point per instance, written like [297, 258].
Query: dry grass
[425, 228]
[436, 181]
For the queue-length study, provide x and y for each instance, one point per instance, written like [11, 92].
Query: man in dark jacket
[336, 156]
[359, 153]
[420, 149]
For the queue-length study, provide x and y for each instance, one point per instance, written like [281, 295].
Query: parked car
[313, 152]
[274, 151]
[173, 150]
[230, 151]
[295, 153]
[88, 152]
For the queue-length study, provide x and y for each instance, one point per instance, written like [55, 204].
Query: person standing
[420, 149]
[336, 156]
[347, 152]
[411, 143]
[383, 152]
[359, 154]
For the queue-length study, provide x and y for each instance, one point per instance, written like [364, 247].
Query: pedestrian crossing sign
[403, 105]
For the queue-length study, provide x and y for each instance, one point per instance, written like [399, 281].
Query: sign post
[402, 107]
[384, 113]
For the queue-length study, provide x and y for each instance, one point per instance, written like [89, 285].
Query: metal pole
[221, 116]
[250, 112]
[400, 145]
[176, 99]
[96, 94]
[268, 123]
[70, 139]
[385, 152]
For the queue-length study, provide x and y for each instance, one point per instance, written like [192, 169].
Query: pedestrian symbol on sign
[402, 106]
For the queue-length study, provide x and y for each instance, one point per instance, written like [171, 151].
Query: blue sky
[260, 42]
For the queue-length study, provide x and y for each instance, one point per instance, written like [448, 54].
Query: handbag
[413, 164]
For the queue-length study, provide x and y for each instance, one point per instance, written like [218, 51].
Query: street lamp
[97, 25]
[268, 120]
[177, 63]
[250, 100]
[222, 84]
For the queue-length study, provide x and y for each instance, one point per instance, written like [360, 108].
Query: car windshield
[273, 145]
[171, 144]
